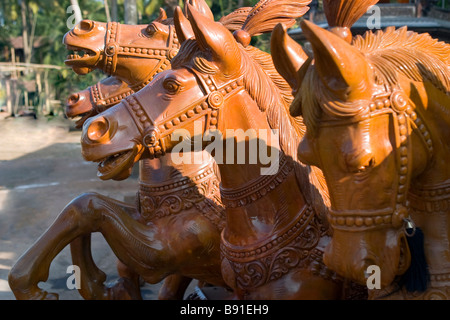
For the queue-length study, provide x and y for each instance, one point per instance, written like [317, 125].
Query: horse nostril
[98, 129]
[86, 25]
[73, 98]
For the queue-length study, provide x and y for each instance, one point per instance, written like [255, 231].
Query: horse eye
[151, 29]
[172, 86]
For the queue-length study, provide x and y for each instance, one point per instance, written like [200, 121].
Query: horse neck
[430, 190]
[164, 171]
[435, 113]
[256, 205]
[167, 188]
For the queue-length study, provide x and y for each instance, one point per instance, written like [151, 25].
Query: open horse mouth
[81, 119]
[117, 166]
[81, 60]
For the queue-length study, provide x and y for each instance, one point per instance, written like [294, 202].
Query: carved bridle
[406, 119]
[113, 50]
[155, 136]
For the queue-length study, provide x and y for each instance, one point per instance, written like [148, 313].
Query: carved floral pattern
[294, 248]
[201, 192]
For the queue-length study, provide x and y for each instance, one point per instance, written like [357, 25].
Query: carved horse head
[133, 53]
[376, 111]
[144, 122]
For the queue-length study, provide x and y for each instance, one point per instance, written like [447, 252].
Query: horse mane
[391, 53]
[274, 99]
[419, 57]
[273, 96]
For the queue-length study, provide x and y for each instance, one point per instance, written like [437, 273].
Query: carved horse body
[166, 190]
[156, 172]
[272, 244]
[380, 106]
[183, 243]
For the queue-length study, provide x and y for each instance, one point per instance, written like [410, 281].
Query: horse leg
[130, 240]
[174, 287]
[127, 287]
[125, 272]
[33, 266]
[92, 278]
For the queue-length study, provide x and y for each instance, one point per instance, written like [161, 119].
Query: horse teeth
[76, 56]
[79, 53]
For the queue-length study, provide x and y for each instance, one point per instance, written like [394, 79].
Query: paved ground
[41, 170]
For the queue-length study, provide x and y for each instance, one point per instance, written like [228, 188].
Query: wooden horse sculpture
[377, 113]
[160, 194]
[110, 91]
[271, 247]
[133, 53]
[182, 240]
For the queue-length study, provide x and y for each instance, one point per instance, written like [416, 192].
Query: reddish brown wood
[274, 228]
[175, 227]
[376, 113]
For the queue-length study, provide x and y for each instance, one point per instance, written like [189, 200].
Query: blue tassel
[416, 278]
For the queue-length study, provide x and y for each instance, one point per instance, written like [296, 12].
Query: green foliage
[50, 22]
[443, 4]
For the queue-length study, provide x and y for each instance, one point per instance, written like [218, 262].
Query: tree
[26, 45]
[114, 11]
[131, 16]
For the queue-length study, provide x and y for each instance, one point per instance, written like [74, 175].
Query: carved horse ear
[342, 68]
[288, 56]
[182, 26]
[213, 37]
[162, 15]
[201, 6]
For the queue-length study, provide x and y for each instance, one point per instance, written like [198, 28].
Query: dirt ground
[41, 171]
